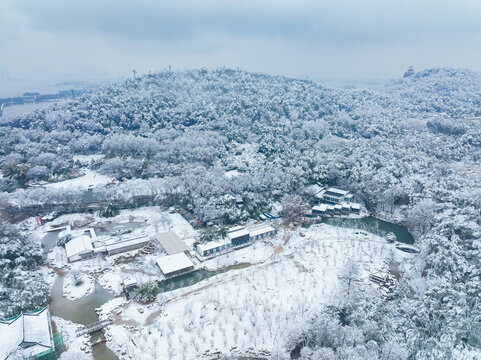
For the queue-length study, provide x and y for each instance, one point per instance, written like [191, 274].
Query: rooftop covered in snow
[237, 232]
[176, 263]
[213, 245]
[171, 242]
[78, 246]
[29, 330]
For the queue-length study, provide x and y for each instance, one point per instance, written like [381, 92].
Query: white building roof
[260, 230]
[12, 336]
[320, 194]
[276, 209]
[79, 245]
[36, 328]
[237, 234]
[130, 281]
[212, 245]
[116, 244]
[337, 191]
[171, 263]
[235, 228]
[171, 242]
[356, 206]
[31, 328]
[321, 207]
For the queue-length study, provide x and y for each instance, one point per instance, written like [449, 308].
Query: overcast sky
[317, 39]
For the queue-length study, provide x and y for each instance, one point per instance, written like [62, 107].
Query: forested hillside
[197, 138]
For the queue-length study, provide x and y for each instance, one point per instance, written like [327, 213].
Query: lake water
[372, 225]
[82, 311]
[194, 277]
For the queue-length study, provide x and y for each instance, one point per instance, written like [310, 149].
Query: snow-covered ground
[270, 288]
[77, 285]
[251, 310]
[90, 178]
[78, 348]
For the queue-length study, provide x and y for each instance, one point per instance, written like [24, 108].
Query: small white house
[173, 265]
[355, 208]
[115, 246]
[320, 209]
[79, 248]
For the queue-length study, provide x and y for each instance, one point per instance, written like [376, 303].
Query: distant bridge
[99, 325]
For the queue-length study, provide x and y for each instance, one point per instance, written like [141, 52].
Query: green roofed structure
[29, 336]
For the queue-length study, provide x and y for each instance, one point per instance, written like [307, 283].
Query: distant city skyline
[344, 39]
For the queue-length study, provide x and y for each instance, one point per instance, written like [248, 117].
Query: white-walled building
[238, 235]
[173, 265]
[213, 248]
[260, 231]
[79, 248]
[334, 196]
[115, 246]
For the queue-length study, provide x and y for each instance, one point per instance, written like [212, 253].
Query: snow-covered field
[90, 178]
[251, 310]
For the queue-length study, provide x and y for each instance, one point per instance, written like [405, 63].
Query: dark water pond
[372, 225]
[194, 277]
[82, 311]
[49, 241]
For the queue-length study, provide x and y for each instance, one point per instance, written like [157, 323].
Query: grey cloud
[322, 22]
[296, 38]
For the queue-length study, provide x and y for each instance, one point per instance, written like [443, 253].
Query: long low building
[260, 231]
[213, 247]
[115, 246]
[236, 236]
[173, 265]
[344, 208]
[170, 242]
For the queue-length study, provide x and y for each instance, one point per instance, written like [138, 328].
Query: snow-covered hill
[169, 139]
